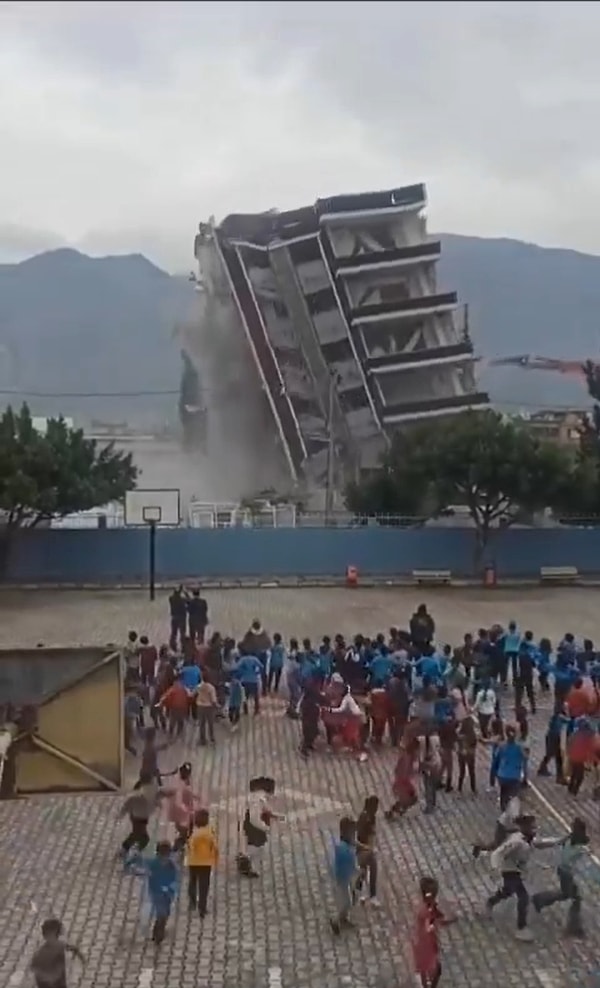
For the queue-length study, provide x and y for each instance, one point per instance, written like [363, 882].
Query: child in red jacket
[426, 945]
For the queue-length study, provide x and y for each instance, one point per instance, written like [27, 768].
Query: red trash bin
[351, 576]
[490, 577]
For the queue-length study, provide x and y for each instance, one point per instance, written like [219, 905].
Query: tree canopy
[588, 503]
[401, 487]
[56, 473]
[491, 465]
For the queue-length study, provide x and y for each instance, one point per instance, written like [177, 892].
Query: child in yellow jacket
[201, 857]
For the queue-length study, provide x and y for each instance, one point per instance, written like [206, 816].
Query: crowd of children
[434, 703]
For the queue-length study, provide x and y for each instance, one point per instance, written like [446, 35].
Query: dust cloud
[242, 455]
[164, 464]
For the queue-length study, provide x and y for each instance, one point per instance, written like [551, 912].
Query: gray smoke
[243, 455]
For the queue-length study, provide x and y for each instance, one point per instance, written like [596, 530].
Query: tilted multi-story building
[338, 305]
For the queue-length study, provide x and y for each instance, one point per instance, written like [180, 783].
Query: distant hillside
[71, 323]
[527, 299]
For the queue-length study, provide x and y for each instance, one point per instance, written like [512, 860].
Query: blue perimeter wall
[121, 555]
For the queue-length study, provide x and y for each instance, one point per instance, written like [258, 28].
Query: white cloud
[123, 124]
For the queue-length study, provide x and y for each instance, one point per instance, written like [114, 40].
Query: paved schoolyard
[71, 617]
[57, 853]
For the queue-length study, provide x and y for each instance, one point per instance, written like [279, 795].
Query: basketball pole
[152, 560]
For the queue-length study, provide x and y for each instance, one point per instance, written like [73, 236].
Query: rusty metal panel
[27, 675]
[76, 742]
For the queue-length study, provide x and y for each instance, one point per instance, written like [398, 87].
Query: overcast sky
[123, 124]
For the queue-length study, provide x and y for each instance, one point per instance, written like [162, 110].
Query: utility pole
[152, 560]
[329, 488]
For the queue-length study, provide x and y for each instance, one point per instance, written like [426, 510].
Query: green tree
[579, 500]
[497, 469]
[45, 476]
[401, 488]
[491, 465]
[585, 502]
[591, 373]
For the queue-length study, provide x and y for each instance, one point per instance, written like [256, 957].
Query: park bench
[559, 574]
[432, 576]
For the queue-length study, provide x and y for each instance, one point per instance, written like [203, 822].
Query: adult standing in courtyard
[422, 627]
[197, 610]
[257, 642]
[178, 613]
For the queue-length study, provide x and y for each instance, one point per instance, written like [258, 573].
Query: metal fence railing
[207, 515]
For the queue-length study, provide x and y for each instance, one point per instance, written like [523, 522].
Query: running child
[201, 858]
[181, 804]
[139, 807]
[48, 964]
[404, 785]
[344, 875]
[511, 860]
[426, 945]
[366, 853]
[505, 825]
[162, 886]
[235, 702]
[256, 823]
[573, 853]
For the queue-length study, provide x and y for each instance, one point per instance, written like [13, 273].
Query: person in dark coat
[310, 712]
[257, 642]
[422, 627]
[197, 610]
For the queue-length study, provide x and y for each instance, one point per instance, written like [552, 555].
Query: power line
[22, 393]
[85, 394]
[18, 393]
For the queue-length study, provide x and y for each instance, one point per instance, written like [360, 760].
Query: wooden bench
[559, 574]
[432, 576]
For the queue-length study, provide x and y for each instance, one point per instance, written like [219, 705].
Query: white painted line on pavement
[145, 978]
[559, 818]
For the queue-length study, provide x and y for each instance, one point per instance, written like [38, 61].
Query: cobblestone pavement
[57, 853]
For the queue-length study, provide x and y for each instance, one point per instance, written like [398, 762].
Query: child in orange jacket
[201, 857]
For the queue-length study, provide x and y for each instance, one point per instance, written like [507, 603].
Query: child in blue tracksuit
[294, 685]
[380, 670]
[565, 673]
[544, 663]
[345, 871]
[509, 767]
[277, 659]
[511, 642]
[235, 701]
[248, 670]
[162, 886]
[325, 659]
[558, 720]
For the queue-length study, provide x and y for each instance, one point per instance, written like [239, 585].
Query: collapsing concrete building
[338, 306]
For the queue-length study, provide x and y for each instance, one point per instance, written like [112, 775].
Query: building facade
[338, 305]
[561, 426]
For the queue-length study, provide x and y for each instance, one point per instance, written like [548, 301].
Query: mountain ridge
[526, 299]
[74, 323]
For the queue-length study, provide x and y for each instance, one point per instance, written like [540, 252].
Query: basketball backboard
[160, 506]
